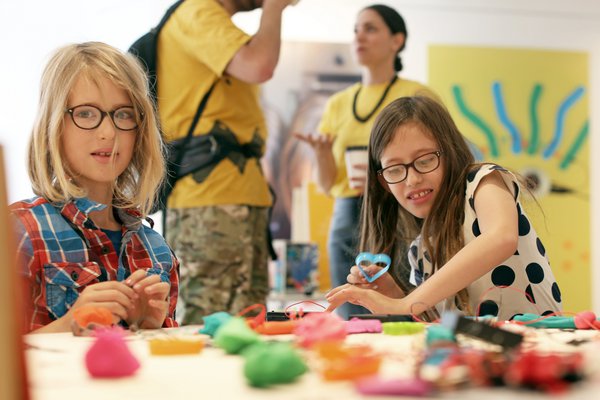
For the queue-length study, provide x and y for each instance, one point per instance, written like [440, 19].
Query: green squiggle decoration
[534, 143]
[577, 143]
[476, 120]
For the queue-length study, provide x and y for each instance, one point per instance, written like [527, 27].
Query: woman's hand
[322, 145]
[385, 284]
[375, 302]
[114, 296]
[319, 143]
[152, 305]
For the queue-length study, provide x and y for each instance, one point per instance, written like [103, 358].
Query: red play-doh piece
[585, 320]
[320, 327]
[109, 356]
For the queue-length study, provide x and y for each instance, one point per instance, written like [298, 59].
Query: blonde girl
[95, 162]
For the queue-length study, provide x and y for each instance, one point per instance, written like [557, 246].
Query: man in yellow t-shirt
[217, 217]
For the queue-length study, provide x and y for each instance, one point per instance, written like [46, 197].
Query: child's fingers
[136, 277]
[159, 304]
[145, 282]
[360, 282]
[357, 276]
[158, 290]
[159, 309]
[333, 291]
[372, 269]
[340, 296]
[109, 286]
[108, 293]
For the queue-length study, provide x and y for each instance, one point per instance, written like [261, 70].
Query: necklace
[368, 117]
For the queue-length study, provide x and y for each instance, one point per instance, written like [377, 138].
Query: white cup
[356, 165]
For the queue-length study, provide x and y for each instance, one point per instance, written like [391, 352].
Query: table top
[57, 371]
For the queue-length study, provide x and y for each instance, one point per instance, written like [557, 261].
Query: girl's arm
[498, 219]
[112, 295]
[498, 222]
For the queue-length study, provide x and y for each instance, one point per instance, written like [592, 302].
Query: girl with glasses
[380, 35]
[95, 163]
[473, 247]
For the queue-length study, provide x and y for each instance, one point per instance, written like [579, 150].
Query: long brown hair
[385, 225]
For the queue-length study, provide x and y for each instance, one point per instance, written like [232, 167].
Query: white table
[57, 372]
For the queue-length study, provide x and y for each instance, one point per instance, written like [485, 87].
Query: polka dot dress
[524, 283]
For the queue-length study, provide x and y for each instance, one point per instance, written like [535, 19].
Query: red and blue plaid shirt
[61, 251]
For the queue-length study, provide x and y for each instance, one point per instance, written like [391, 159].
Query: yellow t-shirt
[339, 121]
[194, 48]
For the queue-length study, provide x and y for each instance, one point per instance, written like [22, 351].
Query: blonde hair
[137, 186]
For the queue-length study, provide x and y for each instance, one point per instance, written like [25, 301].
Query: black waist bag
[190, 154]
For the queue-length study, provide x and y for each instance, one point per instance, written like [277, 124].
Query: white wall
[29, 30]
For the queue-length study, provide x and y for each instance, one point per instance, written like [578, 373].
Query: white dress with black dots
[524, 283]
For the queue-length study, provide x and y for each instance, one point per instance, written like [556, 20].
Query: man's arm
[255, 62]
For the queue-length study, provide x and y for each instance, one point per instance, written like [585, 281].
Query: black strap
[188, 137]
[190, 133]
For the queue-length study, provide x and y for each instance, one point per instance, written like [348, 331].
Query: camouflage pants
[223, 254]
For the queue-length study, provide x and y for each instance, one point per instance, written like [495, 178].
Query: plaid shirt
[61, 251]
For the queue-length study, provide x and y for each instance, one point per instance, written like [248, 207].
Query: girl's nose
[107, 129]
[413, 177]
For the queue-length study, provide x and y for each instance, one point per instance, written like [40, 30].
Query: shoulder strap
[190, 133]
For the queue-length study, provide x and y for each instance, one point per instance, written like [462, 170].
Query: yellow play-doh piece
[166, 346]
[402, 328]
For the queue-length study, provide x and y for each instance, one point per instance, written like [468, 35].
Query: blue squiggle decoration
[503, 117]
[560, 118]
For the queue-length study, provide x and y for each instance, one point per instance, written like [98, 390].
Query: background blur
[316, 53]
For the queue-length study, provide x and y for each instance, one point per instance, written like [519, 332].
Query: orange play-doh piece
[351, 368]
[92, 315]
[343, 362]
[276, 327]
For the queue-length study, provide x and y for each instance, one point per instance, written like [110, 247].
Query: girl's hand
[385, 284]
[375, 302]
[152, 305]
[112, 295]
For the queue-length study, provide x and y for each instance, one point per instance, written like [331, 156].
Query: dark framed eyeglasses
[423, 164]
[90, 117]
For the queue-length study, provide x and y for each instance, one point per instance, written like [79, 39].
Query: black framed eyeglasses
[423, 164]
[90, 117]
